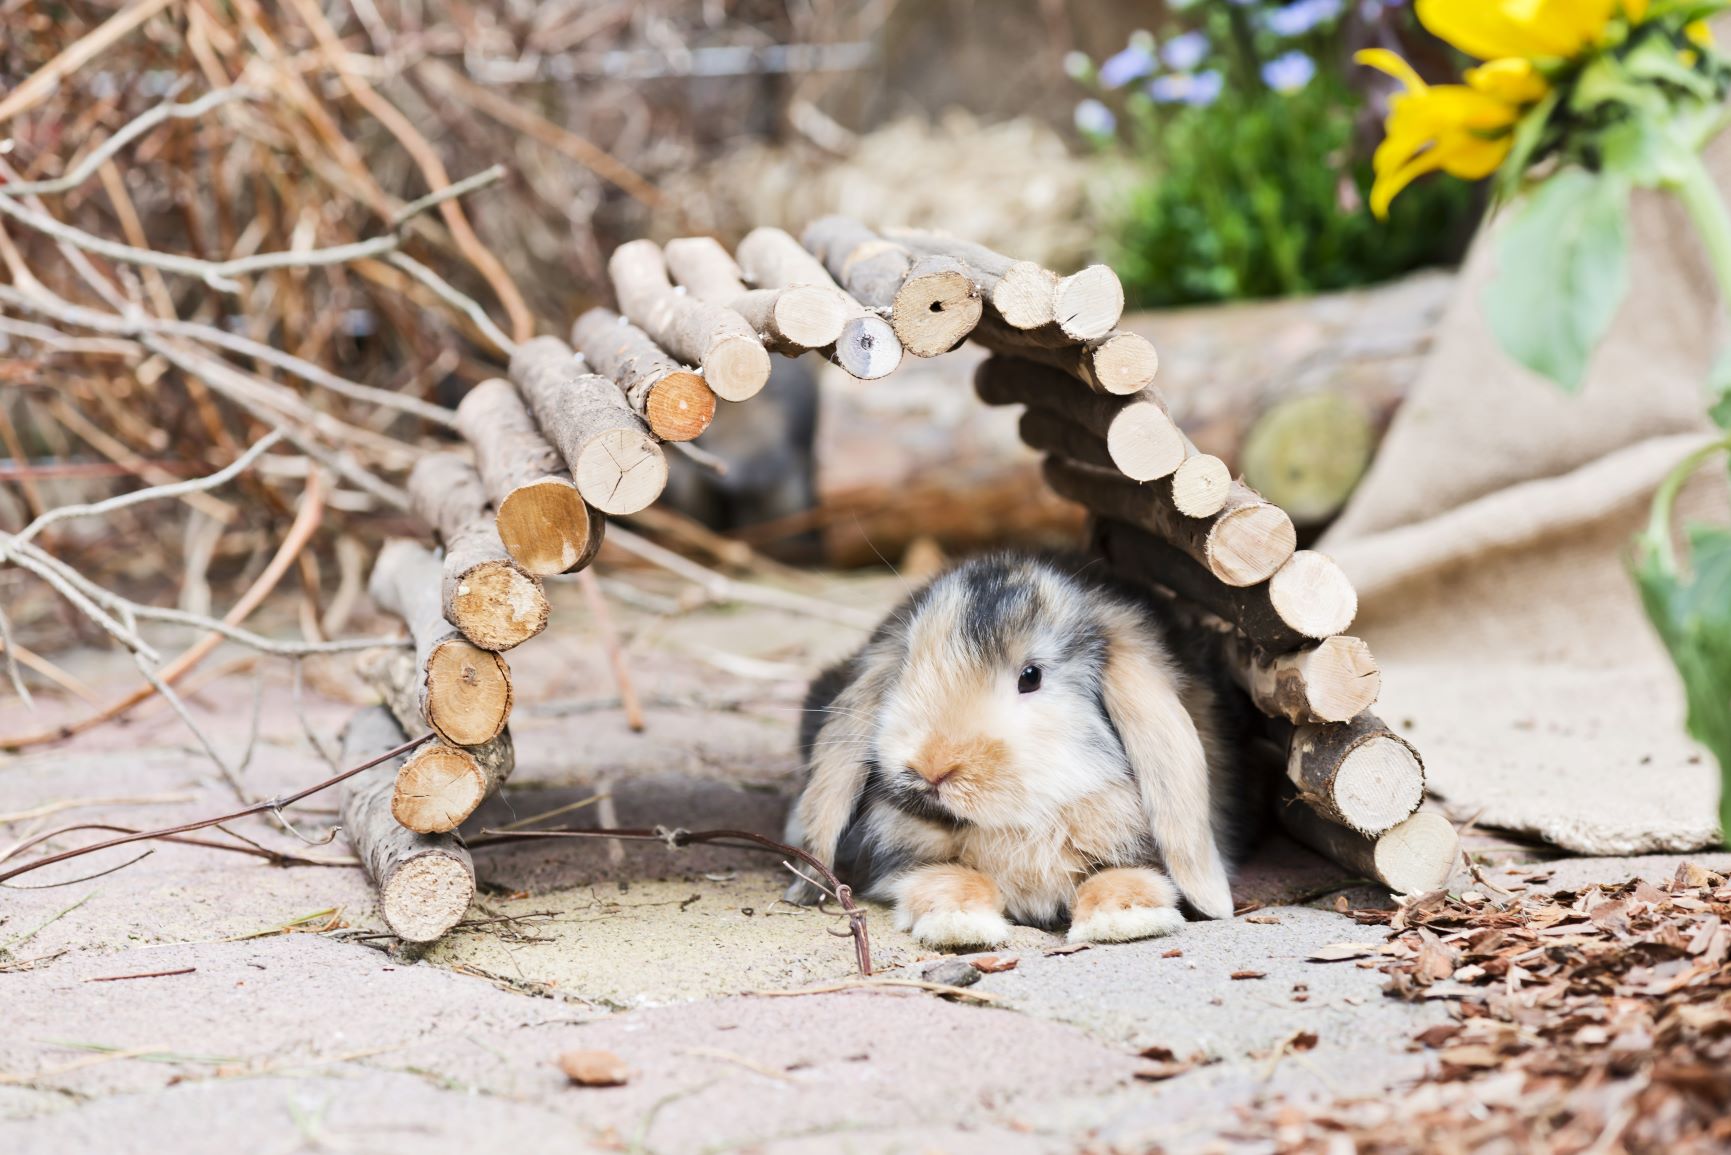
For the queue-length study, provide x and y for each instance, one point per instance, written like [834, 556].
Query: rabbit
[1020, 741]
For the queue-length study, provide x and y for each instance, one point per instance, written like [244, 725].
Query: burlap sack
[1489, 546]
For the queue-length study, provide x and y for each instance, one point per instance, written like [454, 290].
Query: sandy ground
[280, 1028]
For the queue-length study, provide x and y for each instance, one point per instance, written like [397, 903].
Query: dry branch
[1357, 774]
[1143, 441]
[439, 785]
[542, 520]
[494, 602]
[1197, 488]
[710, 336]
[1415, 857]
[867, 346]
[1118, 363]
[1242, 545]
[462, 691]
[613, 458]
[1306, 600]
[1335, 680]
[931, 302]
[676, 403]
[425, 882]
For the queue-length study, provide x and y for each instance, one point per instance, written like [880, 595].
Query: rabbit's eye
[1029, 681]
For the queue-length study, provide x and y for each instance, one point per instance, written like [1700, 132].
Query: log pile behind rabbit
[1024, 740]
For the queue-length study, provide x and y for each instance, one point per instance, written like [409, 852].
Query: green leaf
[1529, 130]
[1692, 614]
[1719, 390]
[1562, 271]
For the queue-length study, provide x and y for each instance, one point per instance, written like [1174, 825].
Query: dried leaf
[595, 1068]
[1237, 975]
[995, 963]
[1341, 951]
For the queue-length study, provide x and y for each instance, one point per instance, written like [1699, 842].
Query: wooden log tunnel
[576, 434]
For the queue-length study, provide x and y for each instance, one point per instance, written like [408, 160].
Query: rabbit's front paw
[951, 906]
[1123, 905]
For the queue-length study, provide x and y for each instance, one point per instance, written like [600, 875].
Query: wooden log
[867, 346]
[676, 403]
[1242, 545]
[612, 456]
[1359, 774]
[795, 319]
[439, 785]
[1022, 294]
[492, 601]
[932, 302]
[425, 882]
[714, 338]
[1308, 599]
[1119, 363]
[704, 269]
[1143, 441]
[1308, 453]
[1198, 487]
[1415, 857]
[1335, 680]
[461, 691]
[543, 521]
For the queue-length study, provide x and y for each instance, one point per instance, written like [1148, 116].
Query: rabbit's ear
[1171, 767]
[840, 761]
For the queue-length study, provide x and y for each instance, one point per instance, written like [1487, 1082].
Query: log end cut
[437, 788]
[426, 896]
[679, 406]
[546, 527]
[1200, 486]
[1341, 679]
[622, 470]
[468, 693]
[1026, 295]
[1249, 544]
[810, 315]
[736, 367]
[1418, 856]
[1144, 442]
[936, 307]
[1380, 782]
[1124, 363]
[497, 605]
[1089, 303]
[868, 348]
[1312, 595]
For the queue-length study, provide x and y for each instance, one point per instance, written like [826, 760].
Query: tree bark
[1143, 441]
[543, 521]
[714, 338]
[867, 346]
[1307, 600]
[494, 602]
[614, 460]
[439, 785]
[932, 302]
[1119, 363]
[1335, 680]
[461, 691]
[676, 403]
[1415, 857]
[425, 882]
[1242, 545]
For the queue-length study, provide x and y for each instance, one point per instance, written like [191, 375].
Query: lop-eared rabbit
[1026, 740]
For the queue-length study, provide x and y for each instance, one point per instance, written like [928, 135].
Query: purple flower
[1288, 72]
[1301, 16]
[1199, 89]
[1133, 63]
[1185, 52]
[1095, 119]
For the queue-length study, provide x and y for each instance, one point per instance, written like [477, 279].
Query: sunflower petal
[1387, 62]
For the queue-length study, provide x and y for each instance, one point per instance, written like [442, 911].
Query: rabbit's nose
[934, 771]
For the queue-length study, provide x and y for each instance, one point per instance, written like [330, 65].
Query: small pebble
[950, 972]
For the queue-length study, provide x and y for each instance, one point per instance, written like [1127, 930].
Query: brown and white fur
[1018, 741]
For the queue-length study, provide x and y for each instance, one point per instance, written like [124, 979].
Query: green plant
[1579, 103]
[1246, 178]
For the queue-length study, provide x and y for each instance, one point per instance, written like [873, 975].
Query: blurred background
[1216, 154]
